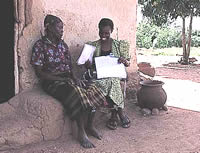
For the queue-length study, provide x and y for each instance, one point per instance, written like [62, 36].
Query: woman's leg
[90, 125]
[124, 118]
[82, 136]
[71, 96]
[113, 121]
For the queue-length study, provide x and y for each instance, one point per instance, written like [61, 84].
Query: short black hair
[106, 22]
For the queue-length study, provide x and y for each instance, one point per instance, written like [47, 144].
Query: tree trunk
[183, 60]
[189, 37]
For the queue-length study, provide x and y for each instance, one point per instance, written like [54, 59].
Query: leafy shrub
[195, 41]
[165, 36]
[195, 38]
[145, 32]
[168, 38]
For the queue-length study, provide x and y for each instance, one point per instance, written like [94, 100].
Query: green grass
[168, 51]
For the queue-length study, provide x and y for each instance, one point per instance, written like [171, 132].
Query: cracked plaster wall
[80, 25]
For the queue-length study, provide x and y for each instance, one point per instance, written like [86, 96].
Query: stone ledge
[30, 117]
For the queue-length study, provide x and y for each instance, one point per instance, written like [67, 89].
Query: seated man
[52, 62]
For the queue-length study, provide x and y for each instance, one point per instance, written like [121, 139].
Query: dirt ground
[173, 131]
[177, 71]
[168, 67]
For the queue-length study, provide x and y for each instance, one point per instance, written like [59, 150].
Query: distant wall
[80, 19]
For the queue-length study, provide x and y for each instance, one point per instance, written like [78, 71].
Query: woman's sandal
[125, 121]
[112, 123]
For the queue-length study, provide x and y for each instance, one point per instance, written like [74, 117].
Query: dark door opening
[7, 81]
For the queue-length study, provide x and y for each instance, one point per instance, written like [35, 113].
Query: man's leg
[90, 125]
[82, 136]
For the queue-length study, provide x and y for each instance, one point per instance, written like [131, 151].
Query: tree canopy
[166, 11]
[162, 12]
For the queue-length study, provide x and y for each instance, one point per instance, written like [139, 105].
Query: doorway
[7, 81]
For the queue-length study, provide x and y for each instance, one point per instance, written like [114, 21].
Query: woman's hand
[124, 61]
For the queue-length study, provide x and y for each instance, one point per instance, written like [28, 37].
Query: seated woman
[52, 62]
[111, 86]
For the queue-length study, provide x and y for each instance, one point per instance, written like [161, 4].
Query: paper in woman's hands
[108, 66]
[87, 54]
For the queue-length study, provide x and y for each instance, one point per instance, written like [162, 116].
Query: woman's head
[53, 25]
[106, 27]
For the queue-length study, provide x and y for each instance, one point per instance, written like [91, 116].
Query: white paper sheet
[108, 66]
[87, 54]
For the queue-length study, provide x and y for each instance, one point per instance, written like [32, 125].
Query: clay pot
[151, 94]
